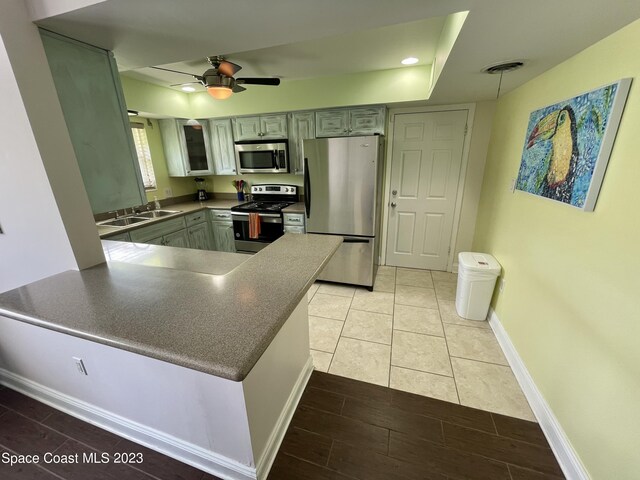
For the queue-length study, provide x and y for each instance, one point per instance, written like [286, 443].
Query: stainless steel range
[267, 204]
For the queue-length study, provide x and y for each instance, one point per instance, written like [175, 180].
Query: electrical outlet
[80, 366]
[168, 192]
[501, 284]
[512, 185]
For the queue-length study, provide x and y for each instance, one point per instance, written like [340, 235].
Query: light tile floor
[407, 335]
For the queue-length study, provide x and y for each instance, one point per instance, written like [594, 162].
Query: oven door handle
[270, 215]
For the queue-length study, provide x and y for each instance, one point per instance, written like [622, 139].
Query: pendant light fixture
[502, 68]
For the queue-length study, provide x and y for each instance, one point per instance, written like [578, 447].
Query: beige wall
[480, 134]
[571, 302]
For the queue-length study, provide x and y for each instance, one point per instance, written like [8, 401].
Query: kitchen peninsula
[200, 355]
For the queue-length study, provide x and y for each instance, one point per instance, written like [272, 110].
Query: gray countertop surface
[182, 209]
[297, 207]
[196, 317]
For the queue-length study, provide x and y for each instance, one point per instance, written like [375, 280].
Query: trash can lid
[479, 262]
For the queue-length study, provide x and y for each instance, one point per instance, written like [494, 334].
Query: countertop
[219, 324]
[297, 207]
[181, 208]
[189, 259]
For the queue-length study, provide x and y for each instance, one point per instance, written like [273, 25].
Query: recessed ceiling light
[409, 61]
[188, 89]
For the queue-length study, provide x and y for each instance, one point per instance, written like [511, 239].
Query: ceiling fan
[219, 79]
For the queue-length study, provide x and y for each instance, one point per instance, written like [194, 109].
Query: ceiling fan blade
[228, 68]
[258, 81]
[176, 71]
[186, 83]
[237, 89]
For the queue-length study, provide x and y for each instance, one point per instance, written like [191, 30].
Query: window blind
[144, 156]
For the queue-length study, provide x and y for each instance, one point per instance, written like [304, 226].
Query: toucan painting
[567, 146]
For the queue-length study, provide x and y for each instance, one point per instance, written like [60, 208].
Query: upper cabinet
[90, 93]
[302, 126]
[186, 147]
[263, 127]
[221, 139]
[343, 122]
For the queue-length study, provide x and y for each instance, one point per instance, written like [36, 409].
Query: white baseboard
[198, 457]
[565, 454]
[263, 465]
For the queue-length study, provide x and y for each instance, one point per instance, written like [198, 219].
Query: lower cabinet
[222, 228]
[199, 236]
[200, 230]
[120, 237]
[177, 239]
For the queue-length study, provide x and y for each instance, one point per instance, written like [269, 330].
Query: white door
[425, 168]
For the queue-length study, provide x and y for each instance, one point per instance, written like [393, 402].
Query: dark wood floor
[343, 429]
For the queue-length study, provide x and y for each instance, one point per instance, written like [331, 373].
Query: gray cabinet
[263, 127]
[199, 236]
[222, 228]
[90, 93]
[302, 126]
[119, 237]
[187, 147]
[343, 122]
[294, 222]
[158, 232]
[221, 140]
[177, 239]
[198, 230]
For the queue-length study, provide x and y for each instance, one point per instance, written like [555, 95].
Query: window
[144, 156]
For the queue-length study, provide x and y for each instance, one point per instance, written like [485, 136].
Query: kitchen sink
[123, 222]
[157, 213]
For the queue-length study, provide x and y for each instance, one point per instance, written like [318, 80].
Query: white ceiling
[340, 54]
[292, 38]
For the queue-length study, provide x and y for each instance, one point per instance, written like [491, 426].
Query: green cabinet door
[199, 236]
[88, 86]
[223, 236]
[177, 239]
[302, 126]
[224, 157]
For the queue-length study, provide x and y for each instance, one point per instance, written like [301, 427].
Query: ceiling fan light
[219, 93]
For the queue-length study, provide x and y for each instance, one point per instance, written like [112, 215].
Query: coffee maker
[201, 194]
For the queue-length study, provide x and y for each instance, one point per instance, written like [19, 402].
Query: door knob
[393, 204]
[394, 192]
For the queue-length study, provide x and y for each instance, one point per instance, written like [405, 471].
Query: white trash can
[477, 275]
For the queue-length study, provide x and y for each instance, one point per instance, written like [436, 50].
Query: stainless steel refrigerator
[342, 192]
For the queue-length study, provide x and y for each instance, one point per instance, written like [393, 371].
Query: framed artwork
[568, 145]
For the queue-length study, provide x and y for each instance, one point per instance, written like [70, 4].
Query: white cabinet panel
[221, 133]
[187, 148]
[302, 126]
[263, 127]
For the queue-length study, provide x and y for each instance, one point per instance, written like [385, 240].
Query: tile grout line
[453, 373]
[482, 361]
[393, 322]
[333, 356]
[423, 371]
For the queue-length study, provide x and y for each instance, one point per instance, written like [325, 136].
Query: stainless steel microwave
[262, 157]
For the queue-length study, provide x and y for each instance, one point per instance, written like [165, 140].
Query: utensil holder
[241, 196]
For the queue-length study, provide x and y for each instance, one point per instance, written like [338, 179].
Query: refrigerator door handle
[307, 187]
[356, 240]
